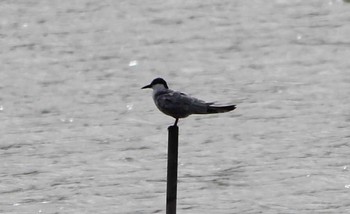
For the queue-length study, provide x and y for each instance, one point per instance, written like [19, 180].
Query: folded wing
[180, 105]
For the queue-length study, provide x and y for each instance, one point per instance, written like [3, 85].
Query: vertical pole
[171, 189]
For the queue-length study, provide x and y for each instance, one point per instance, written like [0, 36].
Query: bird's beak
[147, 86]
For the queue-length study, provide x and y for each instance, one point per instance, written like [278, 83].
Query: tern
[179, 105]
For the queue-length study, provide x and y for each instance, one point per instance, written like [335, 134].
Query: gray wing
[180, 105]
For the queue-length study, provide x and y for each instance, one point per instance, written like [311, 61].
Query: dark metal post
[171, 189]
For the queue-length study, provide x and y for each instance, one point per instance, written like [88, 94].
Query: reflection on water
[79, 136]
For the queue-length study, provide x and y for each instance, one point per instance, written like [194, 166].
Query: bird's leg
[177, 119]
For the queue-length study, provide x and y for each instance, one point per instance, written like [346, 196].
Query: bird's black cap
[156, 81]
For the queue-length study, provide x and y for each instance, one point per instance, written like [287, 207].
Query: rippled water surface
[79, 136]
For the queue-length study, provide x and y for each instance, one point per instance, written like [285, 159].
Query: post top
[173, 128]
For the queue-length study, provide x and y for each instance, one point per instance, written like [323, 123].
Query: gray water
[79, 136]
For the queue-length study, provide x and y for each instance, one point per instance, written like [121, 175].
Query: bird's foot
[175, 124]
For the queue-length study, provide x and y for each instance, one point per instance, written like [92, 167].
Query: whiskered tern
[179, 105]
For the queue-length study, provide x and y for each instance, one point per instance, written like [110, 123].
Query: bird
[179, 105]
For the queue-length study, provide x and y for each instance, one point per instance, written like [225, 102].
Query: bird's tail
[220, 109]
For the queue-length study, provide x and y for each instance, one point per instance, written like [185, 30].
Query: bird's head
[157, 83]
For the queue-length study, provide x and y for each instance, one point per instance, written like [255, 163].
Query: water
[79, 136]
